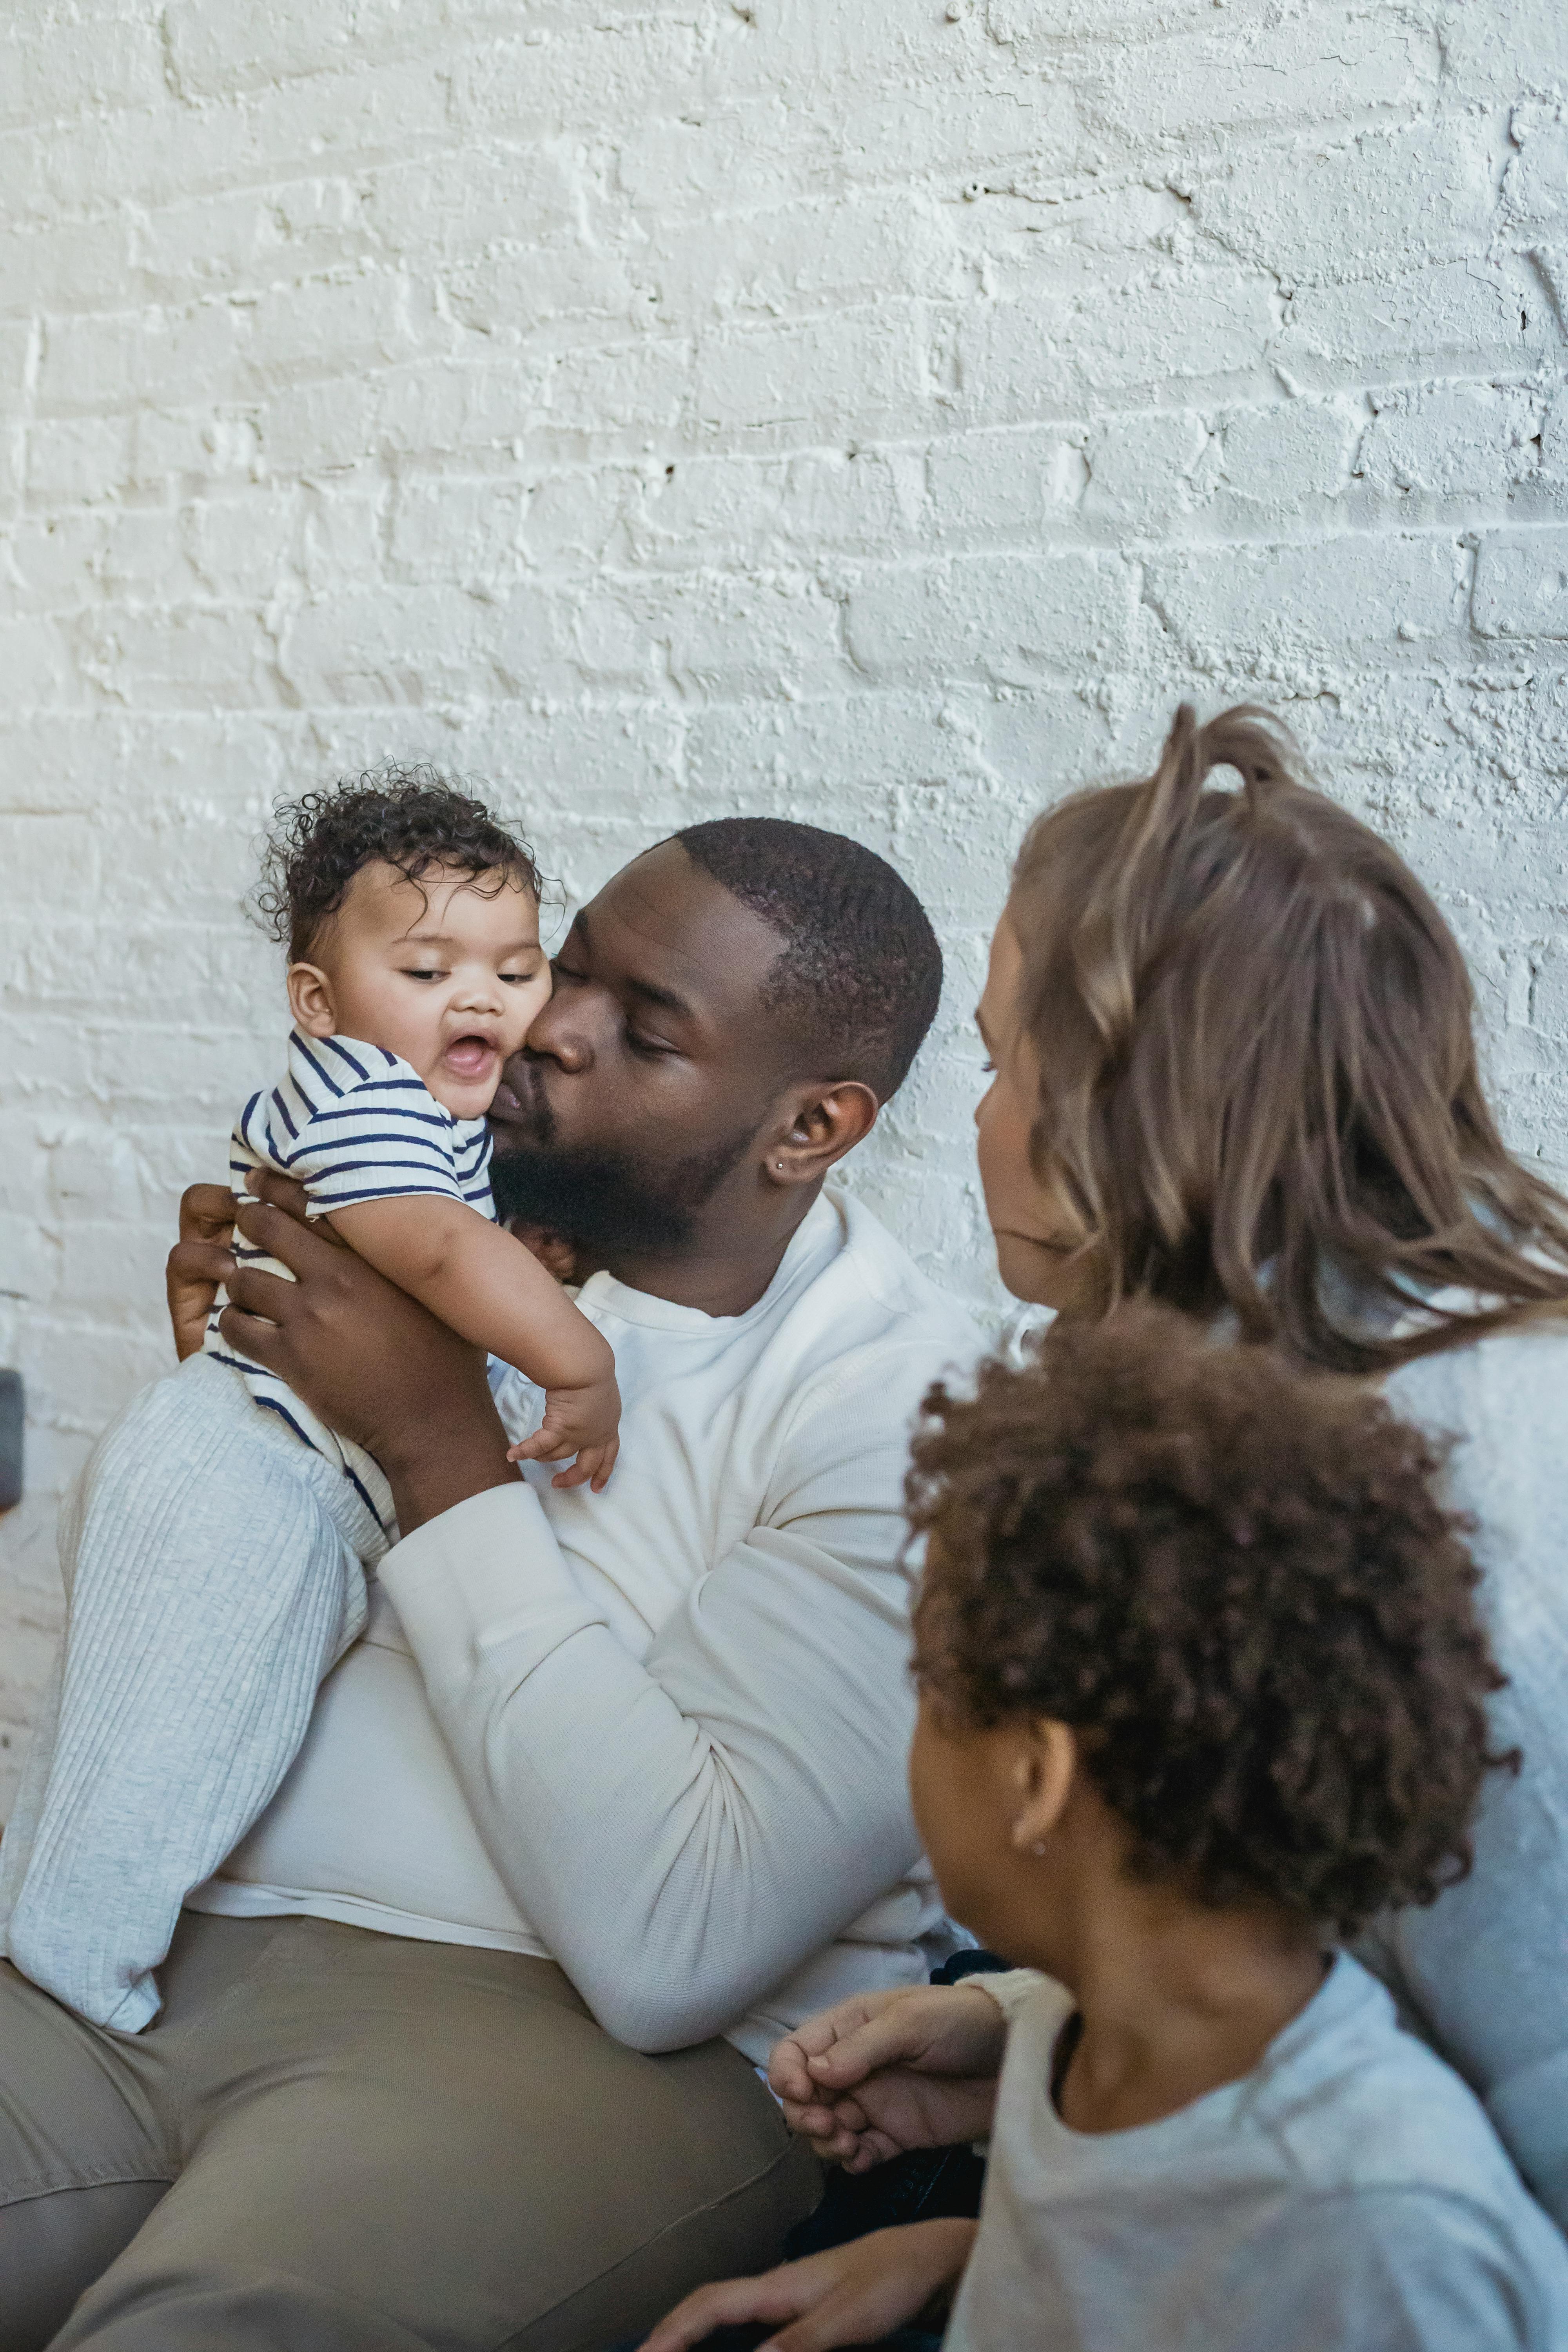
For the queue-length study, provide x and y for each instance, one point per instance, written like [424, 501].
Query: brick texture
[877, 414]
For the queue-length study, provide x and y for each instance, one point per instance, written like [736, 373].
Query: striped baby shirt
[352, 1123]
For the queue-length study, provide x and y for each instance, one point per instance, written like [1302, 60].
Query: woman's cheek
[998, 1170]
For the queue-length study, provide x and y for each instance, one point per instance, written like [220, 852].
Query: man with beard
[459, 2047]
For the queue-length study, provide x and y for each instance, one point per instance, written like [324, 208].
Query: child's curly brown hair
[1237, 1581]
[410, 818]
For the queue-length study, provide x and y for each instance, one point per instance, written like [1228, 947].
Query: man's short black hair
[860, 973]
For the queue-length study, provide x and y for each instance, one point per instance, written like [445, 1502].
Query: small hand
[889, 2070]
[851, 2295]
[583, 1422]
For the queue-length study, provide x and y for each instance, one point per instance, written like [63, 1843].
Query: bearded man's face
[652, 1070]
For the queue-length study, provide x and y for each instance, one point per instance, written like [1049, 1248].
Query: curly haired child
[1203, 1688]
[411, 920]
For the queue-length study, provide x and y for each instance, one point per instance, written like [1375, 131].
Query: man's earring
[1039, 1847]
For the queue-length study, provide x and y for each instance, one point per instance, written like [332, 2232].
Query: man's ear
[818, 1126]
[310, 1000]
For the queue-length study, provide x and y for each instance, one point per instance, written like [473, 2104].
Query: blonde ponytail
[1258, 1081]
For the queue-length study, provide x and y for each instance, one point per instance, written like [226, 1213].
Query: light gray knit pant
[214, 1567]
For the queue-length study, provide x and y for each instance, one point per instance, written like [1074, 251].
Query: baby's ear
[310, 1000]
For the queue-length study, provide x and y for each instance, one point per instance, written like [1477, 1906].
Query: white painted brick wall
[878, 413]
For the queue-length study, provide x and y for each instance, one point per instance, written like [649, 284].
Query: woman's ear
[1044, 1771]
[310, 1000]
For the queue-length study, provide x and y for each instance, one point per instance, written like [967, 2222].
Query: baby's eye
[422, 972]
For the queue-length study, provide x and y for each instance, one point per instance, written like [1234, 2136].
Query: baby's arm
[487, 1286]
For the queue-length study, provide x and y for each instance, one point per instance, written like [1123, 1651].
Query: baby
[1202, 1687]
[193, 1647]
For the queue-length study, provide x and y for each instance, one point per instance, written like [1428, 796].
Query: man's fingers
[192, 1275]
[252, 1337]
[206, 1212]
[191, 1280]
[300, 1247]
[255, 1292]
[200, 1260]
[285, 1193]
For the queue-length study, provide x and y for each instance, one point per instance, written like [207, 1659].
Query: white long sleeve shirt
[658, 1733]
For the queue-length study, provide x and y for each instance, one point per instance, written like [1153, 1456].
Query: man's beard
[607, 1202]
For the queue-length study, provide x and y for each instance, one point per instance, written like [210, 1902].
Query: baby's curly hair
[410, 818]
[1237, 1581]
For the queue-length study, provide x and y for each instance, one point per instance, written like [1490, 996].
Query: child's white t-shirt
[1347, 2194]
[351, 1122]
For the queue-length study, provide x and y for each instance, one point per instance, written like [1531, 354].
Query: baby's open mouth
[468, 1057]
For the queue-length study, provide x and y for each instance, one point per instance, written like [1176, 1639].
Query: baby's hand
[583, 1422]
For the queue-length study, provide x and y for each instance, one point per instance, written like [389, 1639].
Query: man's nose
[562, 1031]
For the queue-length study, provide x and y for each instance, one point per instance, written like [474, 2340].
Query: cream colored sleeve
[1014, 1989]
[685, 1830]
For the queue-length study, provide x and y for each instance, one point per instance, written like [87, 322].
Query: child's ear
[310, 1000]
[1045, 1768]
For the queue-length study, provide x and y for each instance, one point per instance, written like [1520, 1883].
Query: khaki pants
[335, 2141]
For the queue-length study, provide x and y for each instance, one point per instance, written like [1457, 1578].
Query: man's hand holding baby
[199, 1264]
[341, 1341]
[366, 1357]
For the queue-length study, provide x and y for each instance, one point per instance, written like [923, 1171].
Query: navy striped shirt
[352, 1123]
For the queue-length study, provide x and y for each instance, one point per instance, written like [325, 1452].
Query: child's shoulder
[329, 1071]
[1353, 2101]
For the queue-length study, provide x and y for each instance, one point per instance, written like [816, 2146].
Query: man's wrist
[443, 1467]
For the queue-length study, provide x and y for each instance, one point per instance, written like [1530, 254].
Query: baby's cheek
[535, 999]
